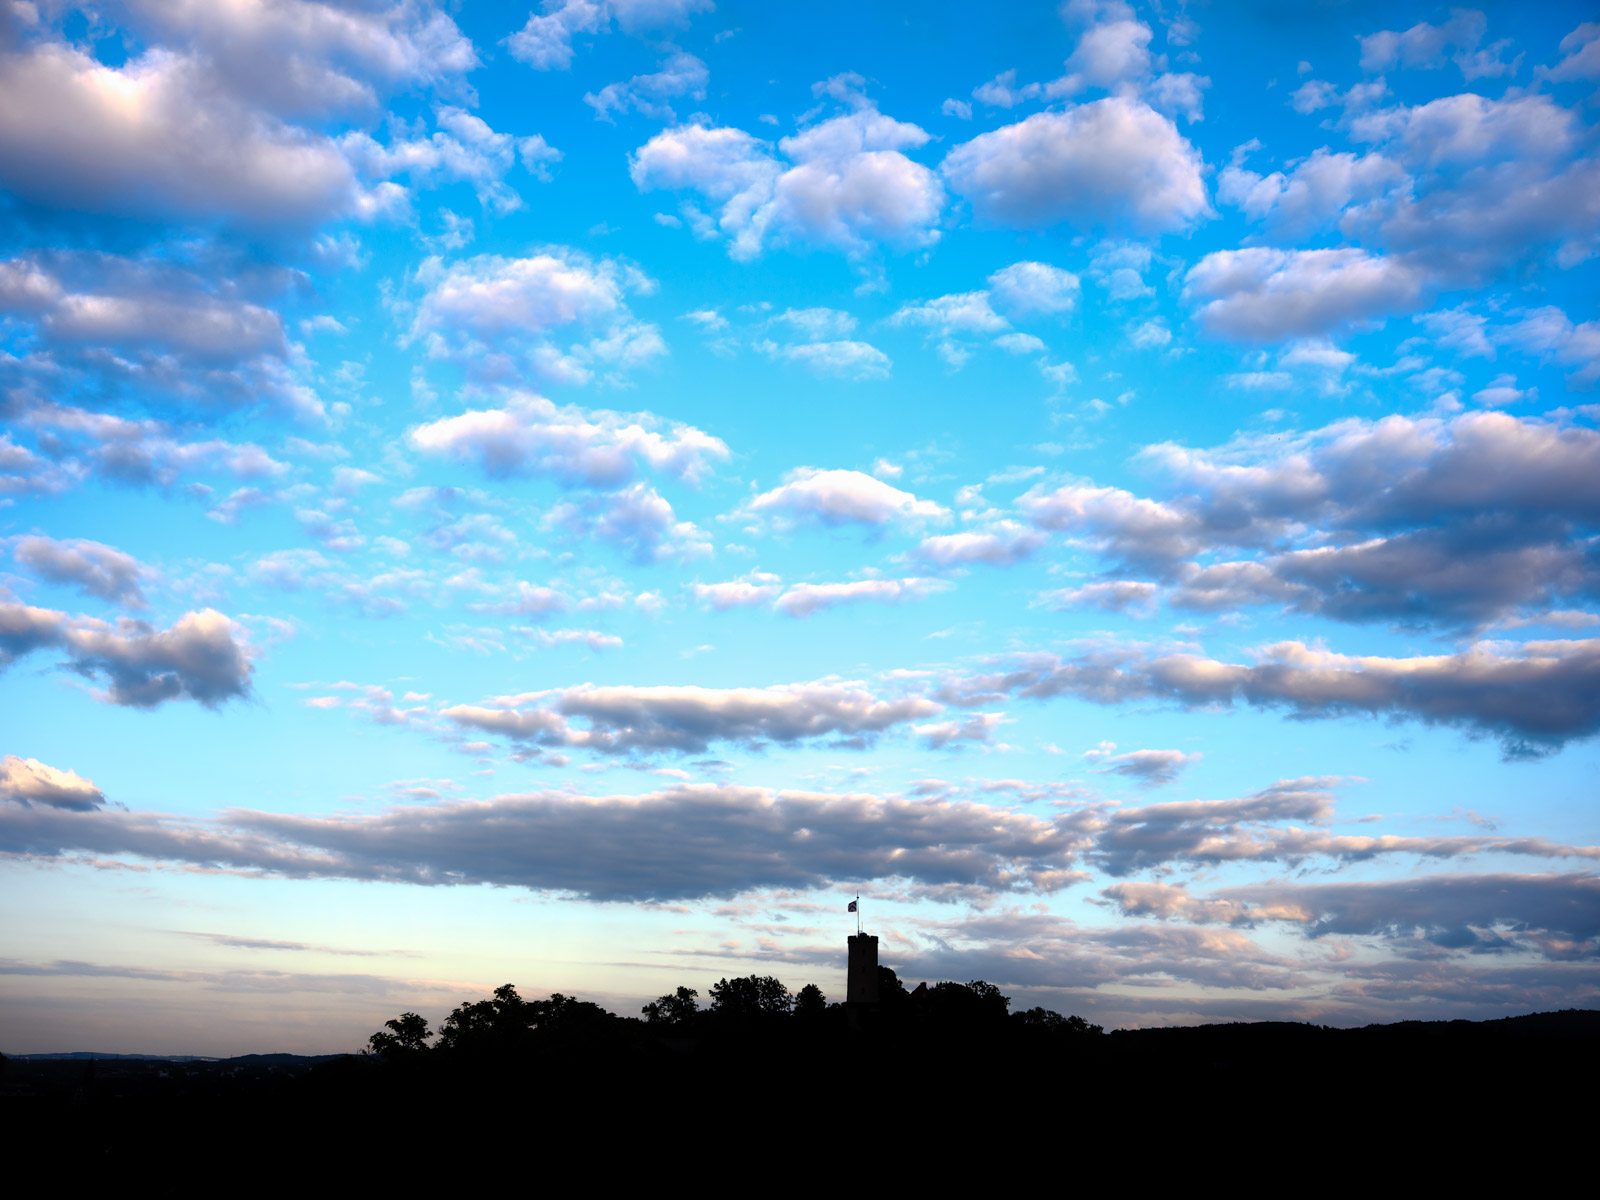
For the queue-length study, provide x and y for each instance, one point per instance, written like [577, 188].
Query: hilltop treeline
[948, 1039]
[740, 1013]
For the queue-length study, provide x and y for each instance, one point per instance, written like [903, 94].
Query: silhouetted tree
[750, 996]
[890, 989]
[994, 1002]
[810, 1003]
[1054, 1022]
[506, 1024]
[676, 1009]
[495, 1025]
[565, 1015]
[967, 1005]
[408, 1036]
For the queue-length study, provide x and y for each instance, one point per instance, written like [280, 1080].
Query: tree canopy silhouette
[676, 1009]
[809, 1003]
[408, 1035]
[750, 997]
[507, 1025]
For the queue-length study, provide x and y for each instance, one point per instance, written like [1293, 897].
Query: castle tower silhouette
[861, 981]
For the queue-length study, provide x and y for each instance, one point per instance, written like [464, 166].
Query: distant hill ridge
[254, 1060]
[1579, 1023]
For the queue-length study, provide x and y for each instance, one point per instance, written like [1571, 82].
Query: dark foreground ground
[796, 1106]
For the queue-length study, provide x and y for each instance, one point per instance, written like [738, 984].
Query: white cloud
[502, 315]
[941, 735]
[1137, 530]
[545, 41]
[1549, 332]
[156, 139]
[1113, 48]
[729, 167]
[1458, 330]
[837, 497]
[1119, 267]
[754, 589]
[560, 842]
[627, 719]
[966, 312]
[818, 324]
[1313, 95]
[1535, 697]
[92, 567]
[1020, 343]
[637, 519]
[1150, 335]
[1180, 94]
[846, 184]
[1001, 546]
[1503, 390]
[24, 473]
[1318, 352]
[115, 449]
[464, 147]
[593, 639]
[1313, 194]
[1261, 294]
[1424, 46]
[160, 327]
[287, 570]
[1582, 50]
[305, 57]
[531, 435]
[200, 657]
[808, 599]
[28, 781]
[488, 296]
[1033, 287]
[1110, 163]
[1425, 522]
[537, 155]
[1118, 595]
[1468, 129]
[1148, 767]
[680, 75]
[1002, 91]
[708, 319]
[1499, 183]
[843, 360]
[139, 303]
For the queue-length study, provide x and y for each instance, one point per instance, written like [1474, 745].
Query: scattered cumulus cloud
[532, 435]
[1114, 163]
[93, 568]
[837, 497]
[845, 183]
[200, 657]
[27, 781]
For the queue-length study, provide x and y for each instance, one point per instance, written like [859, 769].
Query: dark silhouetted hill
[931, 1072]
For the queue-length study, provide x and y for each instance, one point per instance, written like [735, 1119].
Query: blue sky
[573, 496]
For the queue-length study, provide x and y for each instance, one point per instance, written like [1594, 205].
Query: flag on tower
[852, 907]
